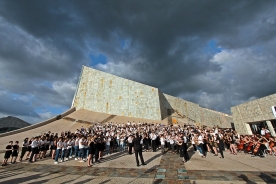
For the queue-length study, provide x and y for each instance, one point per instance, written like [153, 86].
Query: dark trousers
[34, 150]
[153, 145]
[177, 148]
[186, 155]
[96, 155]
[147, 145]
[194, 147]
[24, 149]
[130, 146]
[67, 153]
[140, 155]
[220, 147]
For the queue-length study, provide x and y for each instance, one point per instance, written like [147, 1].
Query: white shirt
[34, 144]
[162, 140]
[129, 139]
[108, 141]
[81, 145]
[153, 136]
[64, 145]
[77, 142]
[200, 139]
[59, 145]
[263, 132]
[185, 139]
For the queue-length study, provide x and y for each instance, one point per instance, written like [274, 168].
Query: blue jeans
[76, 149]
[122, 147]
[107, 148]
[200, 147]
[63, 154]
[86, 152]
[70, 152]
[57, 154]
[81, 153]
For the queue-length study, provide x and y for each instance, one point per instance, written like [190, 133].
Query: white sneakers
[56, 162]
[81, 161]
[76, 159]
[70, 157]
[66, 159]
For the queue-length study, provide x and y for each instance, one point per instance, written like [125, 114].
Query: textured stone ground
[121, 168]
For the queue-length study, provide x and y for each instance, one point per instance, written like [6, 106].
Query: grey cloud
[48, 41]
[12, 106]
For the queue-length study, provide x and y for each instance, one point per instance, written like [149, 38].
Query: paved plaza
[168, 168]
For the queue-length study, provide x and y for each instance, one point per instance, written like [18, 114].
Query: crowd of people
[91, 144]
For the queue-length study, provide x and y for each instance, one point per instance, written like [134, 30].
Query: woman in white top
[122, 143]
[86, 150]
[81, 148]
[162, 142]
[107, 145]
[200, 145]
[68, 149]
[58, 151]
[172, 143]
[64, 149]
[193, 142]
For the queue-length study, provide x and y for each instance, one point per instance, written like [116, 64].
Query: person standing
[92, 145]
[24, 148]
[15, 151]
[184, 147]
[220, 144]
[34, 146]
[153, 141]
[138, 149]
[58, 150]
[162, 142]
[130, 144]
[7, 153]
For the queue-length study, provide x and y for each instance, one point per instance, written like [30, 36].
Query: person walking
[138, 149]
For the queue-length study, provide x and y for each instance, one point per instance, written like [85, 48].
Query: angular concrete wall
[253, 111]
[102, 92]
[210, 118]
[186, 108]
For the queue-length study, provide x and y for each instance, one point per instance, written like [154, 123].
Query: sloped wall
[212, 118]
[102, 92]
[106, 93]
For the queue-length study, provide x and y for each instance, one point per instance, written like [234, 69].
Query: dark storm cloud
[13, 106]
[44, 43]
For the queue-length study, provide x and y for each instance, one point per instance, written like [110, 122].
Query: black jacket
[136, 142]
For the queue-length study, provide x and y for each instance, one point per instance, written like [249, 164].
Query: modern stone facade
[102, 92]
[255, 111]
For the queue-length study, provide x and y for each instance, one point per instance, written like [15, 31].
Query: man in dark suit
[138, 149]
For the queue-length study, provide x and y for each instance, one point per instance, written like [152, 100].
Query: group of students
[92, 143]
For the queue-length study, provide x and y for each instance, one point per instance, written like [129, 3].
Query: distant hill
[11, 123]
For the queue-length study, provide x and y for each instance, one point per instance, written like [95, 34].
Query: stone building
[251, 116]
[106, 93]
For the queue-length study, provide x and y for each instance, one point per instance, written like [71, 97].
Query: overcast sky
[214, 53]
